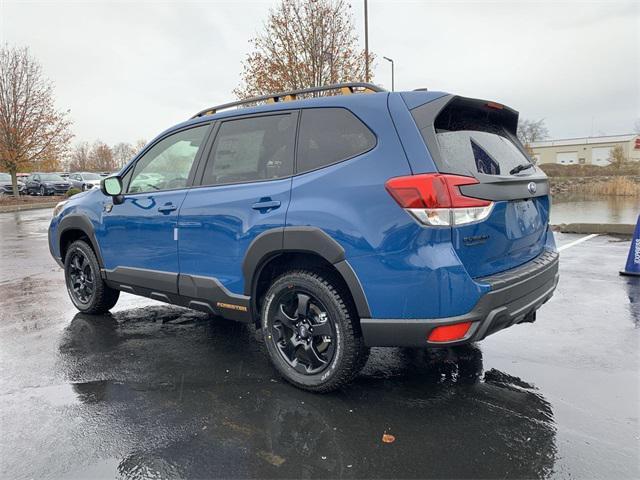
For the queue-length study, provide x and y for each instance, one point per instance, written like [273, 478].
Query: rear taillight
[435, 199]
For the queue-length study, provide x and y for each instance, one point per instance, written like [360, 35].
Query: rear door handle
[167, 208]
[266, 205]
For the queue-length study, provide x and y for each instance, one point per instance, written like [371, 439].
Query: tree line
[34, 134]
[100, 157]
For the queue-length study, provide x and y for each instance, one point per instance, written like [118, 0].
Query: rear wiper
[520, 168]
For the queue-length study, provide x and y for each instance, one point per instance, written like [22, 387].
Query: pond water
[579, 208]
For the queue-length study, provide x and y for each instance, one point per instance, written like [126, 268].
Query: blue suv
[332, 223]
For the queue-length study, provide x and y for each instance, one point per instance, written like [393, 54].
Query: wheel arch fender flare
[313, 240]
[83, 224]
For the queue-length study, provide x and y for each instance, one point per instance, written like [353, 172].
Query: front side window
[167, 164]
[330, 135]
[252, 149]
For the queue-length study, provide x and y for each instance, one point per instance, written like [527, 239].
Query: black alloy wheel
[302, 332]
[87, 290]
[43, 192]
[311, 330]
[81, 277]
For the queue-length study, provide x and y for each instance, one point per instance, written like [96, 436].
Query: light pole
[366, 42]
[392, 73]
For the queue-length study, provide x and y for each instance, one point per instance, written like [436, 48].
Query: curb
[601, 228]
[26, 206]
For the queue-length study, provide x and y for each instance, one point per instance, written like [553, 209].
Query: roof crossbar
[344, 88]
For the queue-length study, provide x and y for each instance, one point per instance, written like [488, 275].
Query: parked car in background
[46, 184]
[6, 185]
[84, 180]
[22, 177]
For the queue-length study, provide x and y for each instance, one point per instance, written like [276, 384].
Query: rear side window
[252, 149]
[330, 135]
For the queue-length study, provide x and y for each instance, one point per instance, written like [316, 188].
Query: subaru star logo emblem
[532, 188]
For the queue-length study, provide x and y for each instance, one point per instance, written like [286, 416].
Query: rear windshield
[469, 136]
[480, 152]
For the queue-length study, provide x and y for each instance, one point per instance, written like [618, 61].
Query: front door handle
[167, 208]
[266, 205]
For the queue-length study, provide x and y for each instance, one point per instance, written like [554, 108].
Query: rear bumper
[514, 298]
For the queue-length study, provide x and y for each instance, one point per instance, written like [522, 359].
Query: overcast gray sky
[128, 70]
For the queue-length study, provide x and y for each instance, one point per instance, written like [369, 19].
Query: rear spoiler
[452, 112]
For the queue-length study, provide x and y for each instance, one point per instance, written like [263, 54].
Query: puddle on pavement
[186, 395]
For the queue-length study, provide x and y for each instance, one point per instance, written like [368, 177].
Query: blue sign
[633, 260]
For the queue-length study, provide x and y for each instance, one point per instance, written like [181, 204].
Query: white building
[589, 150]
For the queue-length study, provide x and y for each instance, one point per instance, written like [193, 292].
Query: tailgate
[476, 138]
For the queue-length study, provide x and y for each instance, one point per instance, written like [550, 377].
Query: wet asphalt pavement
[155, 391]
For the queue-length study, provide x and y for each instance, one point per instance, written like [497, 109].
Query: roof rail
[345, 89]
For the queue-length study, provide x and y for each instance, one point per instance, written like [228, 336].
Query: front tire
[43, 192]
[311, 332]
[87, 290]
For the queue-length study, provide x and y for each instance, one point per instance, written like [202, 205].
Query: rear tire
[87, 290]
[311, 332]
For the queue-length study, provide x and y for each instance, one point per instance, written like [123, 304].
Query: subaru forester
[332, 223]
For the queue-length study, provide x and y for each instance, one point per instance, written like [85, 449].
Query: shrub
[615, 186]
[71, 192]
[557, 170]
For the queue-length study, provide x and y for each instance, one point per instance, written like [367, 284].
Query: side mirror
[112, 186]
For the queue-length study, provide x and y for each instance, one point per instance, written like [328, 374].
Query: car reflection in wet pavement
[155, 391]
[198, 397]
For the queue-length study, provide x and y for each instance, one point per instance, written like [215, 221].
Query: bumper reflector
[449, 333]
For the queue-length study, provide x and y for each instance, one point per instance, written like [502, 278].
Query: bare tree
[32, 131]
[617, 156]
[139, 145]
[101, 157]
[122, 153]
[530, 131]
[80, 157]
[305, 43]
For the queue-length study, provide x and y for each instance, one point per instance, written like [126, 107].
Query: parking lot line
[576, 242]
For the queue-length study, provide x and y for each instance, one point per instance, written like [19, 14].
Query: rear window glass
[252, 149]
[330, 135]
[468, 136]
[481, 152]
